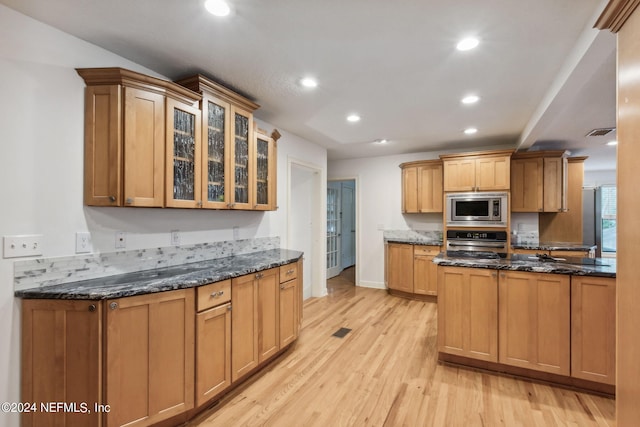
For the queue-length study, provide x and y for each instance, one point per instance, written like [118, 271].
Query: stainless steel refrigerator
[592, 218]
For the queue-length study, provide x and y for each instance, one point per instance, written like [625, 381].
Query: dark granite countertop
[554, 246]
[429, 238]
[165, 279]
[604, 267]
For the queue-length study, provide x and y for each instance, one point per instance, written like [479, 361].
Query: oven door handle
[478, 244]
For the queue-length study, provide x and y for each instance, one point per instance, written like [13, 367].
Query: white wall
[41, 138]
[599, 178]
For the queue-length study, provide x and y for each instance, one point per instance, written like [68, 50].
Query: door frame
[317, 257]
[356, 197]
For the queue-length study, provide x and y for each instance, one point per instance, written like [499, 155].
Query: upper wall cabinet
[125, 119]
[539, 181]
[233, 156]
[480, 171]
[264, 170]
[422, 186]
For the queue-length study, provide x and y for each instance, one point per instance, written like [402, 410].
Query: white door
[348, 216]
[333, 229]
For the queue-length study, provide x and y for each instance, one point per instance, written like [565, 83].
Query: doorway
[341, 226]
[305, 225]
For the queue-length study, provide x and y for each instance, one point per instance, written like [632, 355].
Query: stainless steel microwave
[477, 209]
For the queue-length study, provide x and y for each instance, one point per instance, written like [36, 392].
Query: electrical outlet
[25, 245]
[121, 240]
[83, 242]
[175, 238]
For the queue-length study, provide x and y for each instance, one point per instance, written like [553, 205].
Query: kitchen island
[543, 318]
[160, 344]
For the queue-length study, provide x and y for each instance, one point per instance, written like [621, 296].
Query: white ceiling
[545, 77]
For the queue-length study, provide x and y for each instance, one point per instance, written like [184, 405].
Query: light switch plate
[23, 245]
[175, 237]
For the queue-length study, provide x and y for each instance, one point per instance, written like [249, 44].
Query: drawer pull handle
[290, 271]
[217, 294]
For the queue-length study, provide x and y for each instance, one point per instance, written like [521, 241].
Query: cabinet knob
[112, 199]
[113, 305]
[199, 203]
[92, 308]
[129, 200]
[281, 286]
[229, 307]
[494, 274]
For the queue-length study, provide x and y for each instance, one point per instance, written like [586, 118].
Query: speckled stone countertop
[604, 267]
[432, 238]
[165, 279]
[554, 246]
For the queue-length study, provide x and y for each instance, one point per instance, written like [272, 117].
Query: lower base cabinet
[534, 321]
[149, 355]
[137, 361]
[409, 269]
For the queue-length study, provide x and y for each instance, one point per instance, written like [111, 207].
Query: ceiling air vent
[600, 132]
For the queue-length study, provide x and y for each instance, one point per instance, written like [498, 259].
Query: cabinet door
[593, 328]
[289, 312]
[468, 312]
[555, 184]
[244, 318]
[430, 188]
[61, 360]
[492, 173]
[410, 190]
[534, 321]
[242, 179]
[425, 272]
[103, 146]
[183, 156]
[216, 140]
[400, 267]
[150, 357]
[264, 172]
[213, 352]
[459, 175]
[144, 152]
[526, 185]
[268, 313]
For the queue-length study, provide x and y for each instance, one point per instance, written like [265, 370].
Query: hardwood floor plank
[385, 373]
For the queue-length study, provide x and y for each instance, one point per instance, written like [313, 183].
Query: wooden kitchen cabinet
[425, 272]
[264, 170]
[593, 328]
[539, 181]
[422, 186]
[268, 283]
[534, 321]
[244, 318]
[400, 267]
[480, 171]
[213, 340]
[149, 356]
[61, 360]
[468, 312]
[183, 162]
[290, 309]
[125, 128]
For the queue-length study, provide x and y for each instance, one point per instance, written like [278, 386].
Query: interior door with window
[334, 266]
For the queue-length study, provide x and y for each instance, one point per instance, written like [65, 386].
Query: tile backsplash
[57, 270]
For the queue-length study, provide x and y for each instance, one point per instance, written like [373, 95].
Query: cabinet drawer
[288, 272]
[426, 250]
[213, 294]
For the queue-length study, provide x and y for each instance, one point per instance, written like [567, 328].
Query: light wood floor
[385, 373]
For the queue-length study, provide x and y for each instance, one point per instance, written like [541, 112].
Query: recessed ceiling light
[471, 99]
[612, 143]
[353, 118]
[217, 7]
[470, 131]
[308, 82]
[467, 44]
[380, 141]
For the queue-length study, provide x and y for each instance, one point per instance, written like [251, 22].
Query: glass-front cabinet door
[216, 183]
[183, 134]
[264, 172]
[242, 173]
